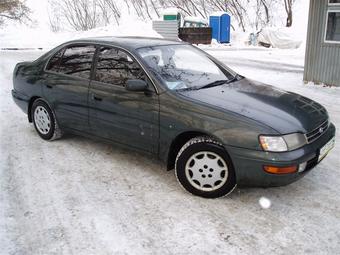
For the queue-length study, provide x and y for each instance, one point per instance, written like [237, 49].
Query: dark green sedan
[169, 99]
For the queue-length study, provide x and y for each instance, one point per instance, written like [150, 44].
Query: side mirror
[136, 85]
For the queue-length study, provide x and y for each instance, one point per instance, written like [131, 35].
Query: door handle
[94, 97]
[49, 86]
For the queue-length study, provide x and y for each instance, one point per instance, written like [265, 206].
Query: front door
[125, 117]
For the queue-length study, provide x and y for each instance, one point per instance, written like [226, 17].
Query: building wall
[322, 62]
[166, 28]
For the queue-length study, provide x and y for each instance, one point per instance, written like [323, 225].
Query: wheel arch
[182, 139]
[29, 109]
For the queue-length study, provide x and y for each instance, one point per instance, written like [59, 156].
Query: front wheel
[44, 121]
[204, 168]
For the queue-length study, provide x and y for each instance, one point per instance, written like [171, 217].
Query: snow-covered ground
[78, 196]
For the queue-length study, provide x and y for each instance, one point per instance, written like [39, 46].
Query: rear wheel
[204, 168]
[44, 121]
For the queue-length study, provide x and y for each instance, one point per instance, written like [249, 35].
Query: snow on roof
[195, 19]
[170, 11]
[219, 13]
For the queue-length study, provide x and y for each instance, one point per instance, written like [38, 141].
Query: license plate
[326, 148]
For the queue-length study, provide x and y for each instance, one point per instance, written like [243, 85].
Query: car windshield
[183, 67]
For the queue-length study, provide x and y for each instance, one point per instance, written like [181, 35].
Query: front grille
[316, 133]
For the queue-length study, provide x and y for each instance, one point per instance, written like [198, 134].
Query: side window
[116, 67]
[53, 65]
[77, 61]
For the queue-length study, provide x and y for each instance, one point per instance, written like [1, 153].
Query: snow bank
[219, 13]
[170, 11]
[195, 19]
[25, 37]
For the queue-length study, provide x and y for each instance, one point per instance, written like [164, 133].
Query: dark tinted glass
[53, 65]
[333, 27]
[77, 61]
[334, 1]
[116, 67]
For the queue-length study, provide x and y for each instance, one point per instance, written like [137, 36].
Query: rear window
[77, 61]
[53, 65]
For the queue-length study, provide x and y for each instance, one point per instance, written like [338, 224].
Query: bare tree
[87, 14]
[81, 15]
[289, 11]
[262, 14]
[109, 9]
[13, 10]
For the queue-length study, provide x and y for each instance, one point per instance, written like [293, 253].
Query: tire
[204, 168]
[44, 121]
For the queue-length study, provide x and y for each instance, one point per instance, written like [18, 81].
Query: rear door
[128, 118]
[67, 80]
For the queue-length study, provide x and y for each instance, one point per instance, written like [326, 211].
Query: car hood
[286, 112]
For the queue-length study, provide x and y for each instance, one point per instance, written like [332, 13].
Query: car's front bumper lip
[249, 163]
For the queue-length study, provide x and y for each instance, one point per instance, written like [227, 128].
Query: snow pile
[278, 38]
[128, 27]
[24, 37]
[170, 11]
[239, 38]
[219, 13]
[195, 19]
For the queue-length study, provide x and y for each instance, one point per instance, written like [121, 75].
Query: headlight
[295, 141]
[273, 143]
[282, 143]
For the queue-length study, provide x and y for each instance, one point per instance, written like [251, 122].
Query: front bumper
[249, 163]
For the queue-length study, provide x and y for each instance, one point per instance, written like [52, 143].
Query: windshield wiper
[235, 78]
[221, 82]
[213, 84]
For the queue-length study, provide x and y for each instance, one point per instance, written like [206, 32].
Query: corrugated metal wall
[167, 28]
[322, 62]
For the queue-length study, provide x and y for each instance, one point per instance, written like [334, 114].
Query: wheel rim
[42, 120]
[206, 171]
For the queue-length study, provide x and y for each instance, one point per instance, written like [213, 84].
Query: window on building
[334, 2]
[333, 26]
[77, 61]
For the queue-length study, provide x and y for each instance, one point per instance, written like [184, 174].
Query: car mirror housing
[136, 85]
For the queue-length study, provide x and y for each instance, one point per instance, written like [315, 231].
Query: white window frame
[327, 17]
[333, 4]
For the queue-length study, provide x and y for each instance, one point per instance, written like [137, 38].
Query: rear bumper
[21, 100]
[249, 163]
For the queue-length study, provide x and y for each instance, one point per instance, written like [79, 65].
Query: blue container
[220, 27]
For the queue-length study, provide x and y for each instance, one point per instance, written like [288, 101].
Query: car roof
[129, 42]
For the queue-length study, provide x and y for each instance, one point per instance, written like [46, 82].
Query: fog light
[280, 170]
[302, 167]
